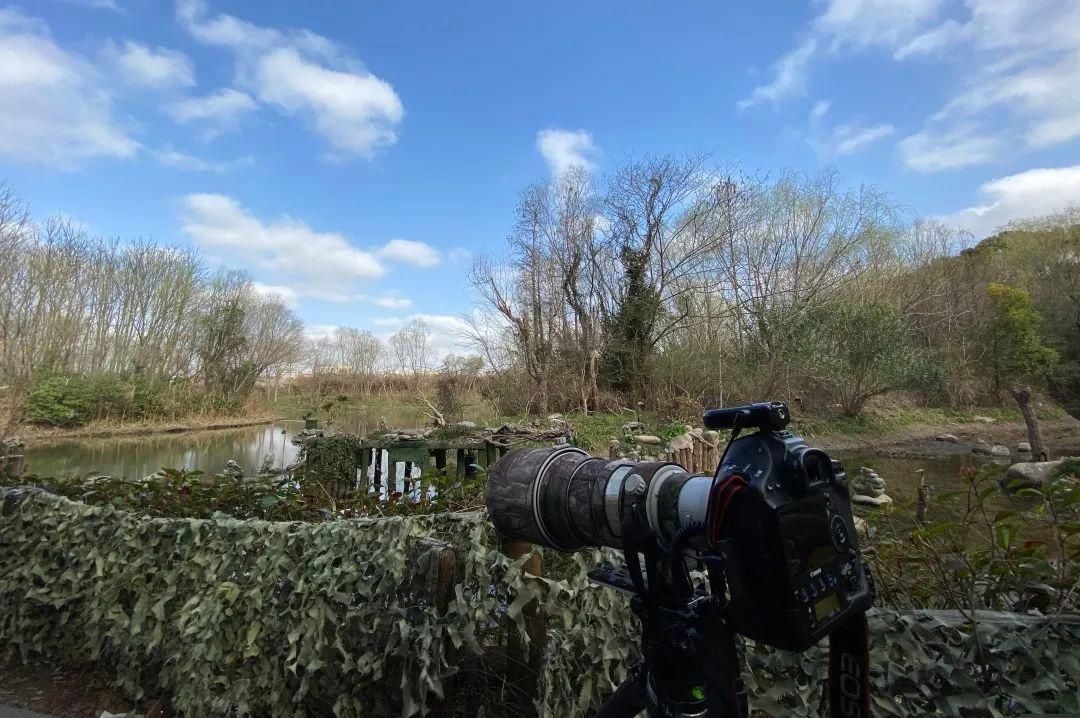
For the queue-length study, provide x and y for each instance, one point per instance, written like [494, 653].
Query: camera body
[775, 518]
[788, 539]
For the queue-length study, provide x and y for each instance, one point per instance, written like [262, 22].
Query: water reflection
[135, 457]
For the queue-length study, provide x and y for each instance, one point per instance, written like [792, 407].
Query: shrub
[60, 401]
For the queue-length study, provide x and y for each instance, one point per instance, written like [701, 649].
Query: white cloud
[1026, 194]
[407, 251]
[459, 255]
[789, 77]
[95, 4]
[1020, 64]
[565, 149]
[220, 108]
[862, 23]
[393, 302]
[932, 150]
[183, 161]
[285, 246]
[56, 108]
[821, 107]
[445, 331]
[304, 74]
[155, 68]
[356, 112]
[848, 139]
[286, 295]
[315, 332]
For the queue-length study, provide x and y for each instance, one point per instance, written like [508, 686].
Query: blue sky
[353, 156]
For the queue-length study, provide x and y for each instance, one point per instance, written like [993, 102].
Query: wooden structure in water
[380, 458]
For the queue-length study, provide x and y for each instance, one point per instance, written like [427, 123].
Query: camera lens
[565, 499]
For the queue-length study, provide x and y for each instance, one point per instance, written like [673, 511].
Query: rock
[862, 528]
[948, 438]
[867, 484]
[684, 441]
[697, 432]
[646, 439]
[555, 417]
[233, 470]
[999, 450]
[711, 436]
[633, 427]
[982, 447]
[1023, 448]
[880, 500]
[470, 425]
[1029, 474]
[983, 419]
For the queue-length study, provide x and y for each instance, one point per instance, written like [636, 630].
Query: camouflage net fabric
[255, 618]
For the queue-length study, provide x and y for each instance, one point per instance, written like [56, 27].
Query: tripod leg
[628, 700]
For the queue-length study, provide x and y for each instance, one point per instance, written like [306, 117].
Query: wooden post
[445, 577]
[440, 462]
[378, 472]
[684, 458]
[406, 479]
[523, 662]
[698, 460]
[613, 449]
[922, 498]
[459, 467]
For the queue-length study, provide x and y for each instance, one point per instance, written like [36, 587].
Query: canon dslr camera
[772, 527]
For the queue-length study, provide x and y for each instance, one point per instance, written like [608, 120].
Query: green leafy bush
[246, 618]
[60, 401]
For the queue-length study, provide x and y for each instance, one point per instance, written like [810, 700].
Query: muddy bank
[1062, 437]
[33, 436]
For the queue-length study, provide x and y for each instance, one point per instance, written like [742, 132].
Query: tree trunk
[1022, 394]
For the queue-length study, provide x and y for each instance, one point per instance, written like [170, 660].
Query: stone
[999, 450]
[233, 470]
[646, 439]
[877, 501]
[697, 432]
[982, 447]
[862, 528]
[633, 427]
[711, 436]
[1029, 474]
[983, 419]
[947, 438]
[555, 417]
[1023, 448]
[867, 484]
[466, 425]
[685, 441]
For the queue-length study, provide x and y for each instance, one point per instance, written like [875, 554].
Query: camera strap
[849, 670]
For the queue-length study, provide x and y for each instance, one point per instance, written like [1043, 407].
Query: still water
[135, 457]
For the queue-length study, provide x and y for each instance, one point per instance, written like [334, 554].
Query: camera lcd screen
[807, 540]
[826, 606]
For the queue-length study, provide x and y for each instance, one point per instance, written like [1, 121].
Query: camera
[774, 519]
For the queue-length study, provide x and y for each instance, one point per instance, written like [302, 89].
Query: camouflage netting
[341, 618]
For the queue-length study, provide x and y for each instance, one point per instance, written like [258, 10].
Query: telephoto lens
[565, 499]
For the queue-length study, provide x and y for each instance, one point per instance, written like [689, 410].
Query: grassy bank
[32, 435]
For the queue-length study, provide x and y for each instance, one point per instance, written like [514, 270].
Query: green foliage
[289, 618]
[76, 399]
[858, 351]
[1018, 352]
[60, 401]
[983, 552]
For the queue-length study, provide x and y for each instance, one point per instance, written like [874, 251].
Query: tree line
[675, 282]
[96, 328]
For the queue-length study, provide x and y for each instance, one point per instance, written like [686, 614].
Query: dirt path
[1062, 437]
[37, 436]
[59, 691]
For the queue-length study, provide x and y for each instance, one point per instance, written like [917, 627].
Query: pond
[136, 457]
